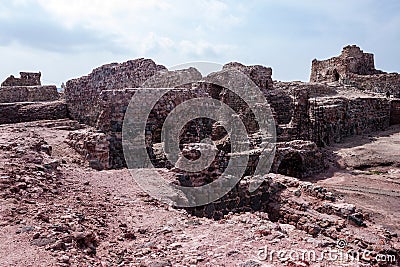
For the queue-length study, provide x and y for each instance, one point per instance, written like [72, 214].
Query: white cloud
[285, 34]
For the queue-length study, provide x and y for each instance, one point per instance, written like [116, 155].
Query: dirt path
[368, 174]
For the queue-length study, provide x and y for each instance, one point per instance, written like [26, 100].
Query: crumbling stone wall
[26, 79]
[356, 68]
[378, 83]
[352, 61]
[336, 118]
[31, 111]
[108, 104]
[93, 146]
[82, 94]
[12, 94]
[327, 120]
[395, 112]
[113, 105]
[302, 111]
[24, 99]
[260, 75]
[327, 113]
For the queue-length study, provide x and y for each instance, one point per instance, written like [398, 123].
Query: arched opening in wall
[336, 75]
[291, 165]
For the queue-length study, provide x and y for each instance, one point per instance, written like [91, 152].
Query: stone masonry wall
[30, 111]
[82, 94]
[92, 145]
[329, 120]
[378, 83]
[327, 113]
[260, 75]
[352, 61]
[113, 105]
[354, 67]
[12, 94]
[337, 118]
[27, 79]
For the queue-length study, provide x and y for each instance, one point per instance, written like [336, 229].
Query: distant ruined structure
[354, 67]
[318, 112]
[25, 99]
[26, 79]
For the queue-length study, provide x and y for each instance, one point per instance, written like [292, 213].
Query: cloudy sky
[65, 39]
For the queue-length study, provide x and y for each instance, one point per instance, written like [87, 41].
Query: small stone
[58, 245]
[129, 235]
[297, 193]
[52, 165]
[36, 236]
[64, 259]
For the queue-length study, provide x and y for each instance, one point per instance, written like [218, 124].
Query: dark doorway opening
[336, 75]
[291, 165]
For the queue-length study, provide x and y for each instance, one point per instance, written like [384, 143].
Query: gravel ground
[56, 212]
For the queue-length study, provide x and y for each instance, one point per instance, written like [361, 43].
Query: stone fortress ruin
[346, 96]
[322, 112]
[25, 99]
[308, 116]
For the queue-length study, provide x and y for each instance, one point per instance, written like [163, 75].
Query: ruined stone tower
[351, 61]
[26, 79]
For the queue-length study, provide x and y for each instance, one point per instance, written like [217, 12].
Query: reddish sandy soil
[367, 174]
[56, 212]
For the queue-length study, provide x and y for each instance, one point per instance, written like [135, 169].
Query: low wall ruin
[32, 111]
[24, 99]
[26, 79]
[12, 94]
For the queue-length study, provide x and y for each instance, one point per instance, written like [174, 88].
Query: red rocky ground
[56, 212]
